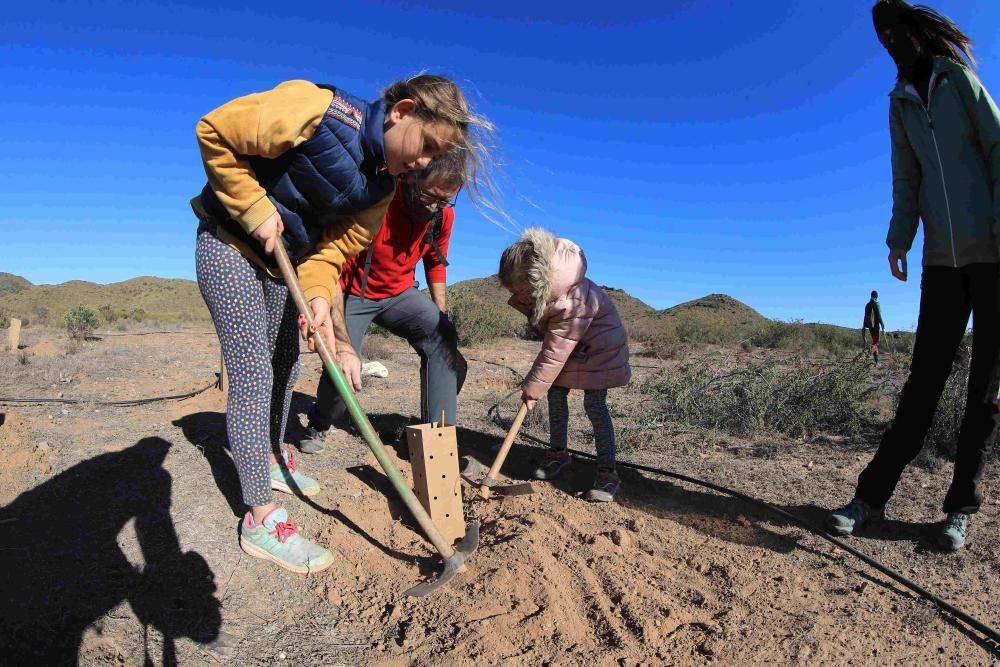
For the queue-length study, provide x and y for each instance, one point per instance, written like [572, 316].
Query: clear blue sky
[690, 147]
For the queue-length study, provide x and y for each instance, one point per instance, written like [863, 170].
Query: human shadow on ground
[64, 569]
[207, 432]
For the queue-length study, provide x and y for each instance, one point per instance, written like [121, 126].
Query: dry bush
[478, 321]
[757, 397]
[81, 323]
[376, 348]
[500, 383]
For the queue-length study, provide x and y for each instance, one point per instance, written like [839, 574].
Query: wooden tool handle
[515, 428]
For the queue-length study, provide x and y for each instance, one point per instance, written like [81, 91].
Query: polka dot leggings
[256, 323]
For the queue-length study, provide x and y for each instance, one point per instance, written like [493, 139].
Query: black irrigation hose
[990, 633]
[110, 404]
[110, 334]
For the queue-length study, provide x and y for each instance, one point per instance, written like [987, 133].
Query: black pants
[947, 296]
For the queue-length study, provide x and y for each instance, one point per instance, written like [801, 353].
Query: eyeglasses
[430, 200]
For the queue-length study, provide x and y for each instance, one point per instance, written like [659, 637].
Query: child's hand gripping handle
[515, 428]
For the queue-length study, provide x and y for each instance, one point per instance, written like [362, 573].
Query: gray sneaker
[315, 440]
[553, 462]
[954, 531]
[277, 539]
[848, 519]
[605, 486]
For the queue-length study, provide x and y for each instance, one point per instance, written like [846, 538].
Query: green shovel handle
[357, 414]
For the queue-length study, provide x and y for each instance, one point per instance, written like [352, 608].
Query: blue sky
[690, 147]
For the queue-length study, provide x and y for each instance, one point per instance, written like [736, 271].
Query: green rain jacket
[946, 168]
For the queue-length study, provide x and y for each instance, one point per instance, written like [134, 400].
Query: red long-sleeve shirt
[397, 247]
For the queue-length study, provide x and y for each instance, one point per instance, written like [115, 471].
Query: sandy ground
[118, 539]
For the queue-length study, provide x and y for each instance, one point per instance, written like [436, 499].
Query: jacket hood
[560, 265]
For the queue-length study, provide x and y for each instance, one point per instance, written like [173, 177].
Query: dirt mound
[45, 348]
[22, 458]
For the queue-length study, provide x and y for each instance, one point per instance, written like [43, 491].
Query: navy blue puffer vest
[335, 173]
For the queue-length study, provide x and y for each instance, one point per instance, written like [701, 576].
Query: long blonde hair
[439, 100]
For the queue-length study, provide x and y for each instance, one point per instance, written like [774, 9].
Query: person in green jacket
[873, 325]
[945, 131]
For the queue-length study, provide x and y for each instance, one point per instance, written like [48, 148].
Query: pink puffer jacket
[585, 345]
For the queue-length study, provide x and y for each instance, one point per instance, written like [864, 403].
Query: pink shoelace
[283, 530]
[289, 457]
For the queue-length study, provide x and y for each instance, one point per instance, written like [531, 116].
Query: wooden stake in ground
[14, 335]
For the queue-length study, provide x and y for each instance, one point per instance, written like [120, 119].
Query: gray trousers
[413, 316]
[595, 404]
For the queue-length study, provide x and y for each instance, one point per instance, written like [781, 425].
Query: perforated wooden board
[436, 480]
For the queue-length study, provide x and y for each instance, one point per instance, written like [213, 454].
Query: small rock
[65, 411]
[621, 538]
[59, 395]
[281, 656]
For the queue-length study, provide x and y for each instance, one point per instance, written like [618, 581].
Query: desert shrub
[664, 344]
[478, 321]
[108, 313]
[942, 437]
[375, 348]
[4, 318]
[80, 322]
[754, 397]
[804, 338]
[537, 418]
[507, 405]
[137, 314]
[42, 314]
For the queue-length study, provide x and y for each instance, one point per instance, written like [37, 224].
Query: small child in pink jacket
[584, 347]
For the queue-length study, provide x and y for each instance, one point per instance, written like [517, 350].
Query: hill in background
[158, 299]
[477, 306]
[11, 284]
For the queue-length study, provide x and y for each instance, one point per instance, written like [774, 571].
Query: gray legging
[595, 404]
[416, 318]
[256, 323]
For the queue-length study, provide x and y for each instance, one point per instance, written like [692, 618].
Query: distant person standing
[945, 131]
[873, 324]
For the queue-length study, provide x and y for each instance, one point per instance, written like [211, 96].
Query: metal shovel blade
[475, 474]
[468, 546]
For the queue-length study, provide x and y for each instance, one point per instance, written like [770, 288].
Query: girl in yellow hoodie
[314, 168]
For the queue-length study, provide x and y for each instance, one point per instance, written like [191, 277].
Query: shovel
[454, 558]
[487, 485]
